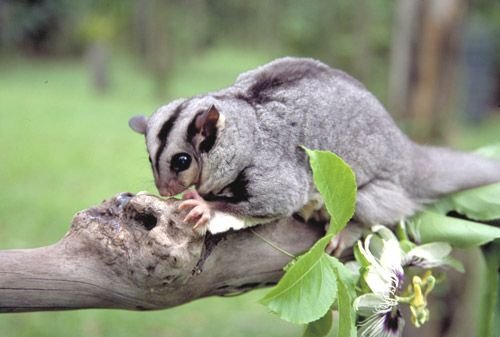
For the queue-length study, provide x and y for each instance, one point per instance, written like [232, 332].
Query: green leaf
[492, 151]
[481, 203]
[346, 284]
[346, 310]
[307, 290]
[490, 293]
[345, 274]
[336, 182]
[321, 327]
[428, 226]
[454, 263]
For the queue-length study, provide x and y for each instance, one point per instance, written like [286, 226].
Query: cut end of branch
[142, 237]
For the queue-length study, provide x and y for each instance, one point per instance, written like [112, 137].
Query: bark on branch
[134, 252]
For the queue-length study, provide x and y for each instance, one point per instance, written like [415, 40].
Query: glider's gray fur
[250, 163]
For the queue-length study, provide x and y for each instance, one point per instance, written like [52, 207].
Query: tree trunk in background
[364, 54]
[3, 23]
[140, 36]
[152, 40]
[436, 64]
[402, 51]
[198, 23]
[268, 26]
[423, 65]
[160, 57]
[98, 65]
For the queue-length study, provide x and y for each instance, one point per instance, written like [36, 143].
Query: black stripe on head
[192, 130]
[164, 132]
[207, 143]
[238, 188]
[282, 74]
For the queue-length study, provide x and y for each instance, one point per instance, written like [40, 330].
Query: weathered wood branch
[134, 252]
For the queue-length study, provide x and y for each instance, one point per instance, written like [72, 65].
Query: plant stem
[273, 245]
[489, 300]
[401, 231]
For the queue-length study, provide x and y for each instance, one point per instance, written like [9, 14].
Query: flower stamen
[418, 305]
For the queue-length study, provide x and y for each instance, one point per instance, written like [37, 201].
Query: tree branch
[135, 252]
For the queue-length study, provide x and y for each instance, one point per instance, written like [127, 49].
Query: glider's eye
[180, 162]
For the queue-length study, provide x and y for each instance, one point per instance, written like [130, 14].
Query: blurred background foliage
[73, 72]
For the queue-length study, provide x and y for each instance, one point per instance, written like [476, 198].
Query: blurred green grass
[64, 148]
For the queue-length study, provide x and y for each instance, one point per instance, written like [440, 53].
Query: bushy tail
[440, 171]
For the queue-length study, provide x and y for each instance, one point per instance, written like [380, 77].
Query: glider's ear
[206, 123]
[138, 124]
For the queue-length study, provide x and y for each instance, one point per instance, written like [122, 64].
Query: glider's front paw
[200, 214]
[345, 239]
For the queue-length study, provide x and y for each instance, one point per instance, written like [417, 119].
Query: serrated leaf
[429, 226]
[345, 274]
[307, 290]
[336, 182]
[321, 327]
[481, 203]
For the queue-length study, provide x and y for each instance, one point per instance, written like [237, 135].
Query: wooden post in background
[424, 61]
